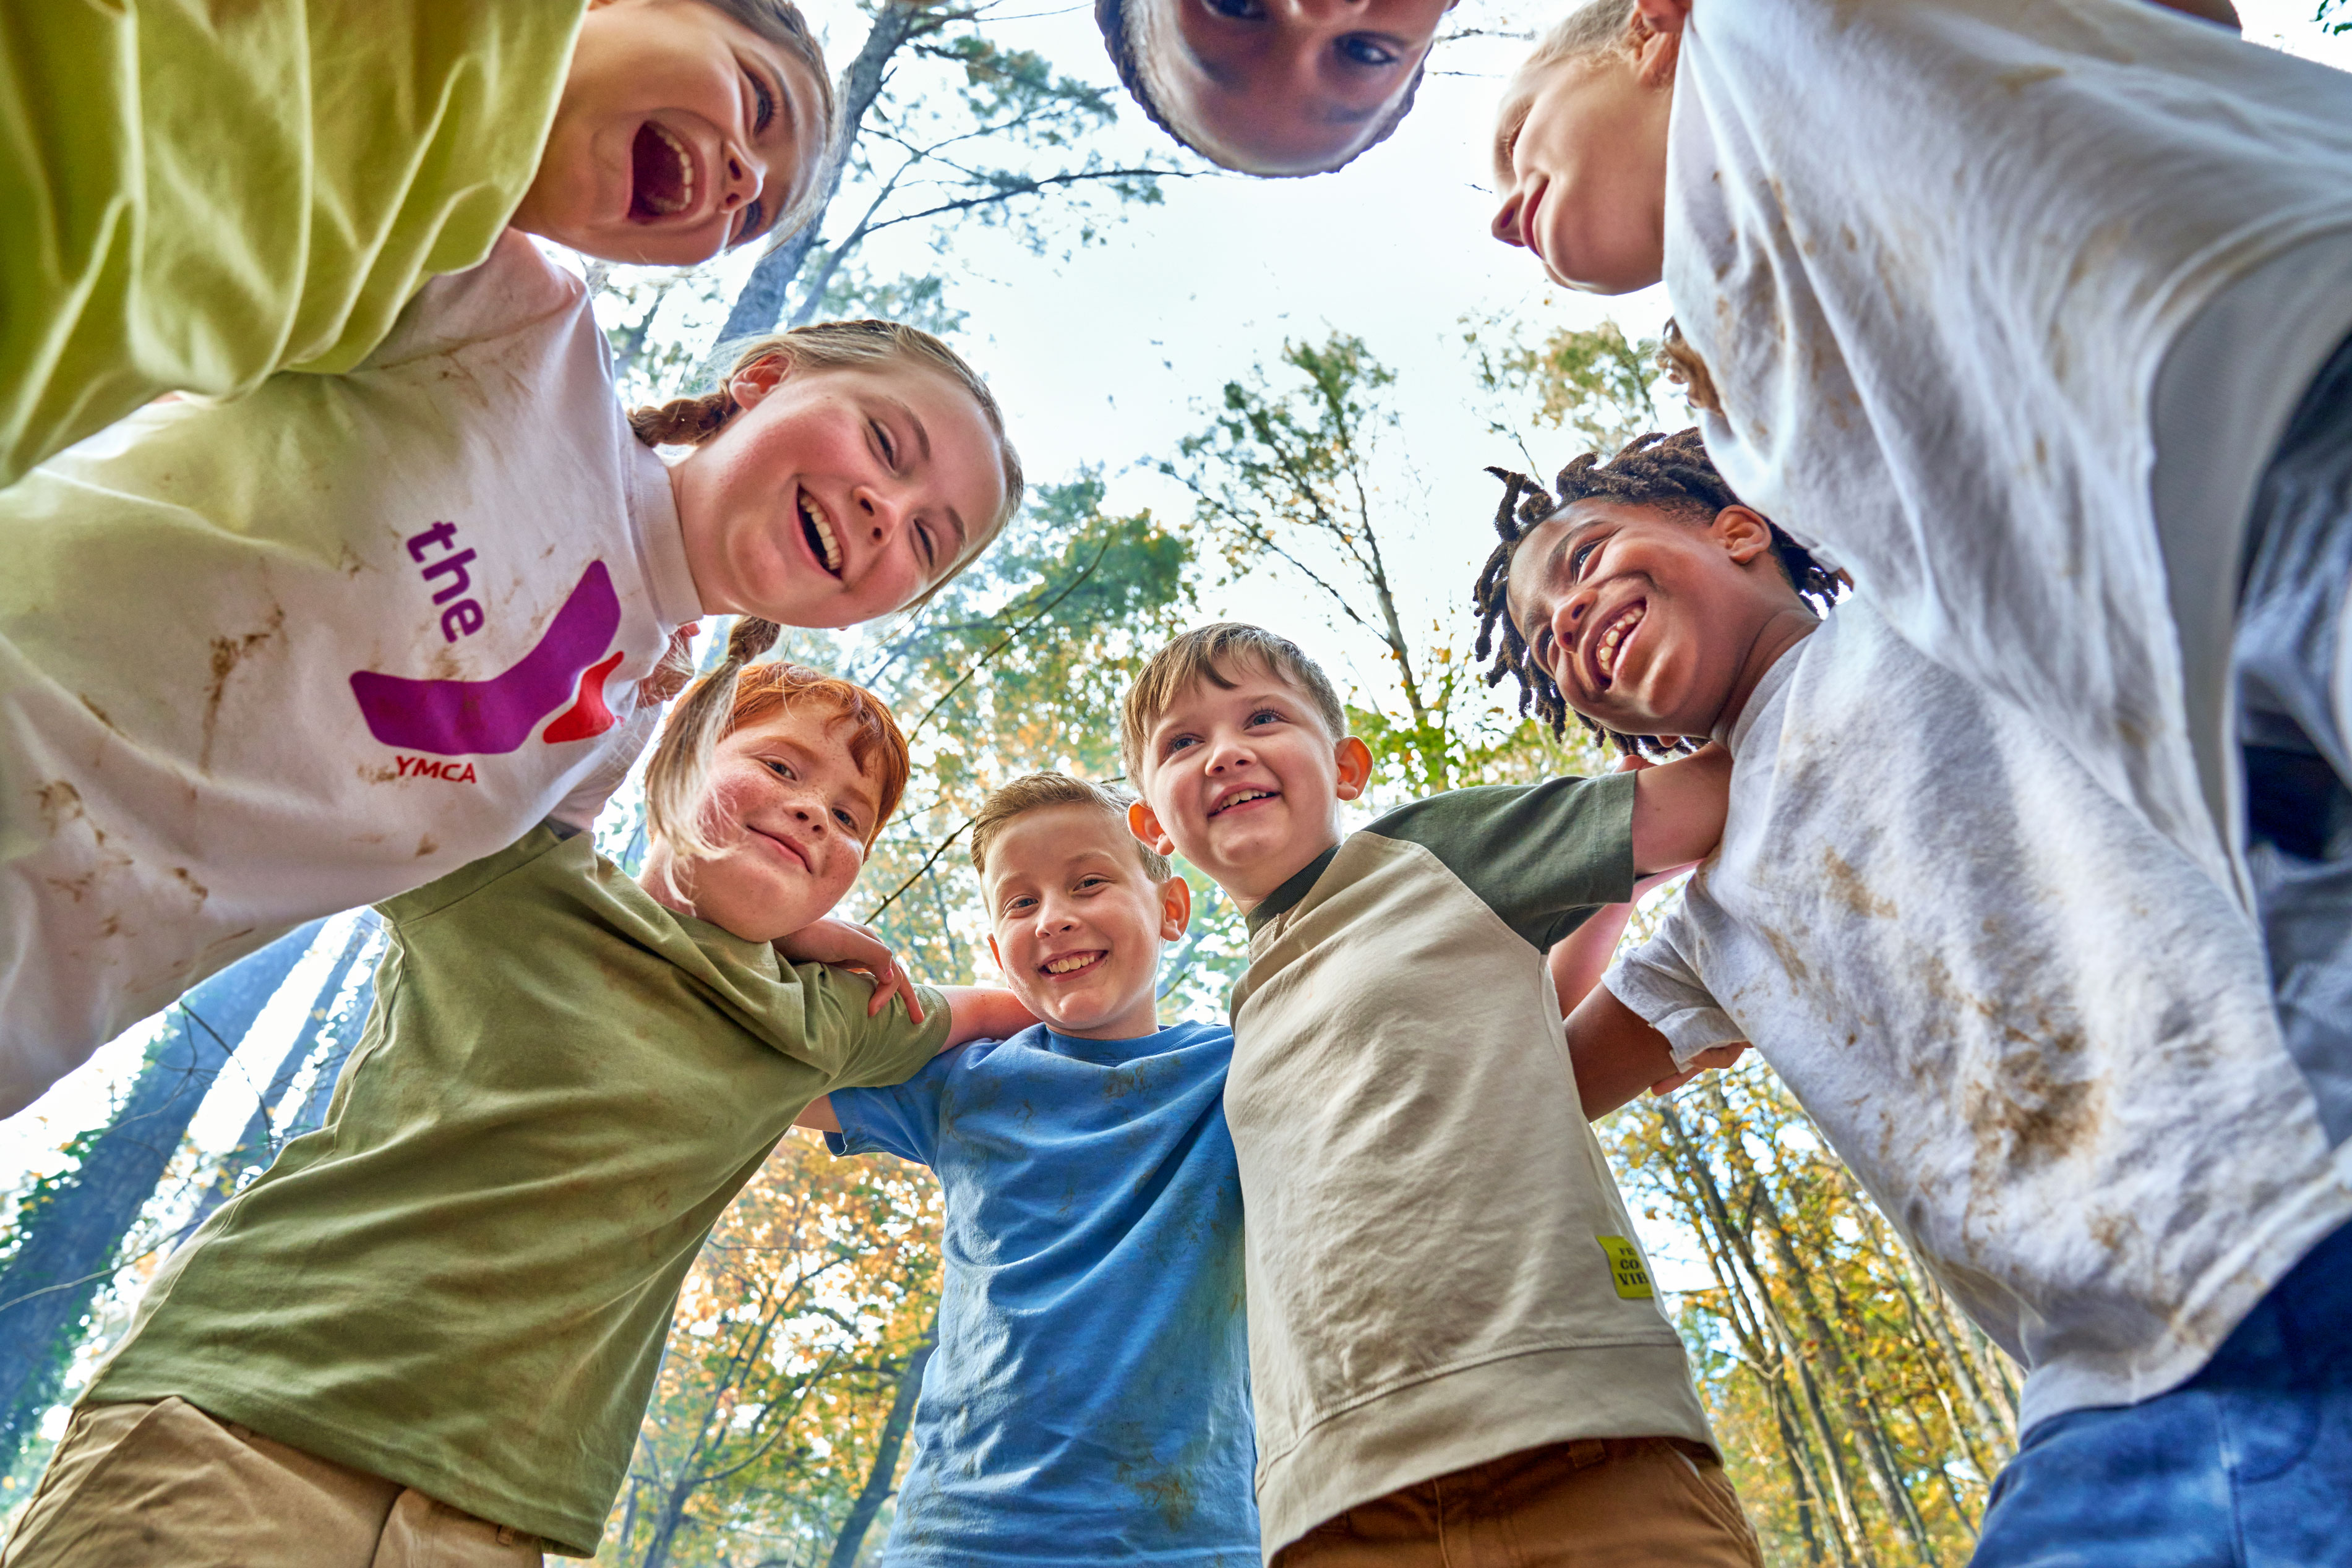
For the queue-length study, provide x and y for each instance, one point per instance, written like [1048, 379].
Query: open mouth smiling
[1240, 797]
[1607, 644]
[663, 176]
[817, 530]
[1070, 965]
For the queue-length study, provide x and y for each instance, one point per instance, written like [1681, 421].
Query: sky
[1107, 359]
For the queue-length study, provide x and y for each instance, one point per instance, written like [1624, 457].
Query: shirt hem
[1451, 1422]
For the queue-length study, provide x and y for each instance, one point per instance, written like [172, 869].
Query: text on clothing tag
[1625, 1267]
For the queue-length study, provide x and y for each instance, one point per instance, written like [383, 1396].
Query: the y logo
[490, 718]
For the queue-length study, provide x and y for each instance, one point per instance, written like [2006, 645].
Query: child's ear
[1656, 26]
[1355, 768]
[1744, 534]
[1145, 825]
[996, 957]
[1175, 908]
[757, 378]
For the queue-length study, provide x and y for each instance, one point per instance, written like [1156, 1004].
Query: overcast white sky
[1106, 358]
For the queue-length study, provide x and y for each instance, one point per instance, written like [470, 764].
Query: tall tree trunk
[71, 1239]
[1850, 1533]
[252, 1147]
[312, 1115]
[761, 304]
[885, 1469]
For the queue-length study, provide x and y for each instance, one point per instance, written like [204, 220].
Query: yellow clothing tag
[1625, 1266]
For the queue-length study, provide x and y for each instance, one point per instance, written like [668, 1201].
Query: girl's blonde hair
[845, 345]
[740, 692]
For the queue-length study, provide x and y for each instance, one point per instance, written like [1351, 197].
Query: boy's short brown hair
[1204, 653]
[1035, 792]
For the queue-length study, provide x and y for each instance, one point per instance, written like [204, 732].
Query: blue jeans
[2248, 1464]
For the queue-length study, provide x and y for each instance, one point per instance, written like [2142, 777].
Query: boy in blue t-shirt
[1089, 1399]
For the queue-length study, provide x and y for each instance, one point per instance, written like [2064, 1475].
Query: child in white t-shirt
[265, 659]
[2035, 319]
[2039, 1032]
[200, 195]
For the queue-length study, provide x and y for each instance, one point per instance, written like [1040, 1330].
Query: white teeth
[1076, 961]
[685, 200]
[831, 546]
[1618, 630]
[1244, 797]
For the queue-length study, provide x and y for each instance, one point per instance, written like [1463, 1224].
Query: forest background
[1272, 401]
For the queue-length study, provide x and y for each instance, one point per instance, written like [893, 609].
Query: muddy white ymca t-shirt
[270, 658]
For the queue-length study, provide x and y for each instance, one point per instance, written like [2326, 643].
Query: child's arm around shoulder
[1616, 1054]
[1678, 809]
[974, 1012]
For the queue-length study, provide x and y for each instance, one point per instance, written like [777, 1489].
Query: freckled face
[1243, 783]
[790, 813]
[1285, 87]
[1581, 160]
[835, 495]
[1076, 924]
[1643, 617]
[681, 132]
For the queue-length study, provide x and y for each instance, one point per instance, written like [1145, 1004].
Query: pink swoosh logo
[490, 718]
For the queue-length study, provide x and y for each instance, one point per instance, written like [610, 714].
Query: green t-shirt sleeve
[1541, 856]
[888, 1047]
[200, 195]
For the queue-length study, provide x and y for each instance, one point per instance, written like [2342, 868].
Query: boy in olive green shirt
[447, 1306]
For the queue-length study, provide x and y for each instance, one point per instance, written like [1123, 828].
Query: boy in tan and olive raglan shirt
[1455, 1352]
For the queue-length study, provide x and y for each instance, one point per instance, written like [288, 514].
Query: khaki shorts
[1613, 1502]
[166, 1486]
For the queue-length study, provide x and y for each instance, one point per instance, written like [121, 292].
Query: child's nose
[746, 176]
[1506, 227]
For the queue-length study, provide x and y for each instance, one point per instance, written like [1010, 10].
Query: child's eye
[781, 769]
[1577, 559]
[1367, 51]
[763, 102]
[755, 219]
[1240, 10]
[882, 439]
[1266, 715]
[1175, 744]
[847, 822]
[931, 551]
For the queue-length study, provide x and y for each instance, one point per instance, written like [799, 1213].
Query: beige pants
[166, 1486]
[1616, 1503]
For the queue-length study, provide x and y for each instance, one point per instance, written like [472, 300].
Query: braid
[1663, 471]
[683, 421]
[674, 775]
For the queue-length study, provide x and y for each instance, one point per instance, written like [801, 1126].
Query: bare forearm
[983, 1012]
[1615, 1053]
[1579, 959]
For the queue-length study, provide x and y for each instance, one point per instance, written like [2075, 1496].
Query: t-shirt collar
[653, 507]
[1768, 689]
[1282, 898]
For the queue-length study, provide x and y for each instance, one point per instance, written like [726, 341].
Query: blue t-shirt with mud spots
[1089, 1399]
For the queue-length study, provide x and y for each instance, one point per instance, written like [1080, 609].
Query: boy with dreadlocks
[2038, 1033]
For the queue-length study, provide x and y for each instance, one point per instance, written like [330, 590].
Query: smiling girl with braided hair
[387, 621]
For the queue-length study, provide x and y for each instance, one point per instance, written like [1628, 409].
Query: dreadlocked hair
[1669, 472]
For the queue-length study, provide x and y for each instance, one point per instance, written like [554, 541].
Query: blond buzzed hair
[1206, 653]
[1036, 792]
[1594, 28]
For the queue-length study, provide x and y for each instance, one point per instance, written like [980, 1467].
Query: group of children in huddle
[1984, 646]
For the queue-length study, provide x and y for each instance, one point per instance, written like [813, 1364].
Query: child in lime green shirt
[199, 194]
